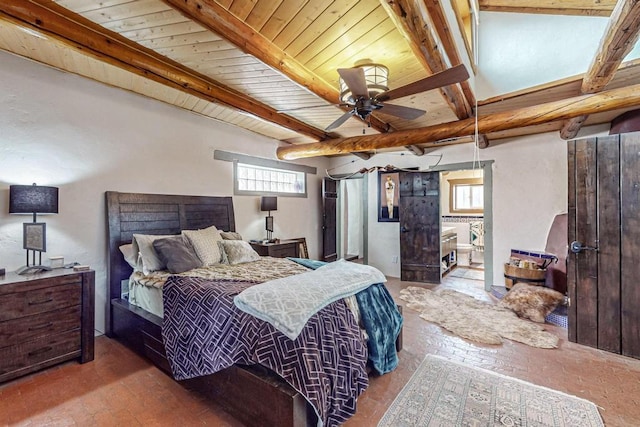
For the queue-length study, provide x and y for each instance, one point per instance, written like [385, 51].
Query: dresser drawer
[283, 250]
[28, 328]
[30, 302]
[32, 355]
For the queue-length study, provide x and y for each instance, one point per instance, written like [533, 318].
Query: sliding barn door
[603, 265]
[329, 223]
[420, 226]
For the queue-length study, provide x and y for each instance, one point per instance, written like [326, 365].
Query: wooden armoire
[603, 266]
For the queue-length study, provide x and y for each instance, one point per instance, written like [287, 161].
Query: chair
[302, 247]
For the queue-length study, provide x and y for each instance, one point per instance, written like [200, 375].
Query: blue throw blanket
[381, 319]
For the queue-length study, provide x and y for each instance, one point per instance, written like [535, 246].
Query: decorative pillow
[205, 244]
[224, 259]
[230, 235]
[531, 302]
[143, 246]
[177, 254]
[130, 256]
[239, 251]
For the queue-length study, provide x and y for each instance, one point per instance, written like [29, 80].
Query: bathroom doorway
[351, 219]
[466, 223]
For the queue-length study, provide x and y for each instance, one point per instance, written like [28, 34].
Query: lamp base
[32, 269]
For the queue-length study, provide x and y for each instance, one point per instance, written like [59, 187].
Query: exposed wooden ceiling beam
[408, 20]
[550, 7]
[430, 135]
[441, 25]
[418, 151]
[216, 18]
[73, 30]
[619, 38]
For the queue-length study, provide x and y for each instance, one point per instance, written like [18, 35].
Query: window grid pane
[468, 196]
[269, 180]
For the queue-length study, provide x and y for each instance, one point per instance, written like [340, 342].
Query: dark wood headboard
[129, 213]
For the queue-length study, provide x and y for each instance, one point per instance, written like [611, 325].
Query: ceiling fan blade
[407, 113]
[354, 79]
[447, 77]
[343, 118]
[308, 107]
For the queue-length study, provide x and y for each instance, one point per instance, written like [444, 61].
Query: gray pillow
[177, 254]
[230, 235]
[239, 251]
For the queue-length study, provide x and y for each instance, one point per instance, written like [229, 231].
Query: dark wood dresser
[45, 318]
[286, 248]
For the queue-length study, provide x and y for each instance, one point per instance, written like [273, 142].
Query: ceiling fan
[364, 90]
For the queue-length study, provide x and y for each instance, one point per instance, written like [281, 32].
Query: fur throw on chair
[531, 302]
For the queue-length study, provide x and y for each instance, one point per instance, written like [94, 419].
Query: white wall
[86, 138]
[518, 50]
[529, 189]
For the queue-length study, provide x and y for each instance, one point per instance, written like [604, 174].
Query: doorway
[351, 218]
[482, 258]
[462, 223]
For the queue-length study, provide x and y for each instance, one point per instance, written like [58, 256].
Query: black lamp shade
[269, 203]
[33, 199]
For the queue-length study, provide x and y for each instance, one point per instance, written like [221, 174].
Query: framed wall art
[388, 196]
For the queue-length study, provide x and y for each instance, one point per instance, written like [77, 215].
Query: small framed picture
[388, 196]
[35, 236]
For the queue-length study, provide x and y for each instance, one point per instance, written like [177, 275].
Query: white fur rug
[475, 320]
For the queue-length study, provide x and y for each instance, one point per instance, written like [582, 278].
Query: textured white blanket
[289, 302]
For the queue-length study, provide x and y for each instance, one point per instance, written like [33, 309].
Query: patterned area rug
[467, 273]
[446, 393]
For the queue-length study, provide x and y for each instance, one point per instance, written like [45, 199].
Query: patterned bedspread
[263, 270]
[326, 363]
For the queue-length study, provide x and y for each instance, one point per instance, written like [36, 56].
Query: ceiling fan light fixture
[377, 78]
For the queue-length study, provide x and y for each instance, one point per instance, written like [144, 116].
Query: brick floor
[121, 389]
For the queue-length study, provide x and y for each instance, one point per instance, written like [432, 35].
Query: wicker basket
[532, 276]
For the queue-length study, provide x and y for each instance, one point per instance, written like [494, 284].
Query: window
[252, 179]
[466, 196]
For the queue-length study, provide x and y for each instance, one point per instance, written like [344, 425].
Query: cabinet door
[420, 237]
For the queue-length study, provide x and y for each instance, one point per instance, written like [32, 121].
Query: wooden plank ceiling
[254, 64]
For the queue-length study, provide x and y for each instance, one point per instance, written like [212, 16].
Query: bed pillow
[147, 255]
[177, 254]
[531, 302]
[130, 256]
[239, 251]
[205, 243]
[230, 235]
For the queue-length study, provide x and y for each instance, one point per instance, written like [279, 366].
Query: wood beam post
[483, 141]
[529, 116]
[620, 36]
[441, 25]
[91, 39]
[418, 151]
[408, 20]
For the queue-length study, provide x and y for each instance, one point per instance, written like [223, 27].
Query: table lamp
[269, 203]
[33, 199]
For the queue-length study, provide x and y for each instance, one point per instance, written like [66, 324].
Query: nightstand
[45, 319]
[286, 248]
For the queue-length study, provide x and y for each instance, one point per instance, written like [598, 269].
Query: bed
[252, 393]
